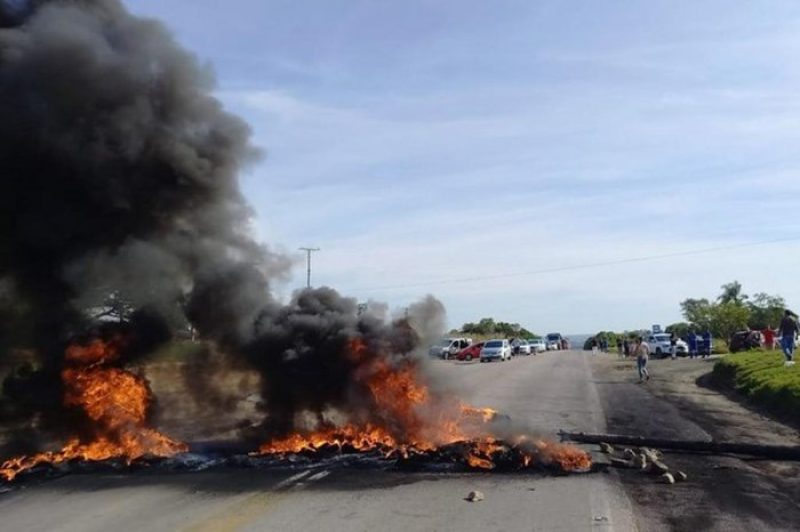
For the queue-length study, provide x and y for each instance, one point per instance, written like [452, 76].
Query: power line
[582, 266]
[308, 251]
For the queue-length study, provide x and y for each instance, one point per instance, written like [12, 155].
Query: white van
[448, 347]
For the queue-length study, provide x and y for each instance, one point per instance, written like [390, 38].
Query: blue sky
[467, 148]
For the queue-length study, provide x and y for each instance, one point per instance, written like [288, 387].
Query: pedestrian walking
[708, 344]
[594, 346]
[642, 352]
[619, 347]
[626, 347]
[788, 332]
[673, 346]
[691, 341]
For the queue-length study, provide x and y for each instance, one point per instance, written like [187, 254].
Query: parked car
[537, 345]
[496, 350]
[473, 351]
[745, 340]
[660, 345]
[520, 346]
[524, 348]
[448, 347]
[553, 341]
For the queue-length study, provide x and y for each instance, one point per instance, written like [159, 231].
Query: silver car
[524, 348]
[496, 350]
[537, 345]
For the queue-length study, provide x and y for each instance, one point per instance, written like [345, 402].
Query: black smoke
[304, 351]
[119, 174]
[119, 170]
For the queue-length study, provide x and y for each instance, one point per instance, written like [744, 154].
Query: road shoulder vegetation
[761, 377]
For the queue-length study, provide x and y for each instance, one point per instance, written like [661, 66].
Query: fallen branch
[776, 452]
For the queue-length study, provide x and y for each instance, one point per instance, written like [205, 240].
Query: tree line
[502, 329]
[732, 311]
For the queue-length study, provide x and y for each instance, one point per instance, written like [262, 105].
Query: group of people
[787, 334]
[599, 345]
[625, 348]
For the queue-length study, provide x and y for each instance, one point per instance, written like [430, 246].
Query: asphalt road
[724, 492]
[547, 392]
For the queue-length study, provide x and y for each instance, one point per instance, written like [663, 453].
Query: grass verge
[762, 378]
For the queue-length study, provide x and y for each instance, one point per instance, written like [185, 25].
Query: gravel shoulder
[723, 492]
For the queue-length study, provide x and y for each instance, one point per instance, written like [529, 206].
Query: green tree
[698, 312]
[609, 336]
[732, 293]
[765, 311]
[486, 326]
[680, 329]
[727, 318]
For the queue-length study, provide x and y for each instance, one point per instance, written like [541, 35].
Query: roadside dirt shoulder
[723, 492]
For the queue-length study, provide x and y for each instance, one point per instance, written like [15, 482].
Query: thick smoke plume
[118, 175]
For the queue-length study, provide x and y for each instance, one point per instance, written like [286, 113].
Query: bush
[761, 376]
[719, 347]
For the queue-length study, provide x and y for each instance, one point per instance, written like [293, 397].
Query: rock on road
[549, 391]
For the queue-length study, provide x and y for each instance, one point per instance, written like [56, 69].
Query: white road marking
[313, 478]
[599, 503]
[294, 478]
[319, 476]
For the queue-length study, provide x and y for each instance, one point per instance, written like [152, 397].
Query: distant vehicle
[496, 349]
[553, 341]
[660, 346]
[537, 345]
[468, 353]
[745, 340]
[524, 348]
[448, 347]
[516, 345]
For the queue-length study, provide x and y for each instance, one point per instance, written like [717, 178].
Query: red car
[468, 353]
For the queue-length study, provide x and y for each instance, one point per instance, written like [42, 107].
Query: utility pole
[308, 251]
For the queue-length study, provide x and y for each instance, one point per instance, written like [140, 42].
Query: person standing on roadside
[594, 345]
[787, 332]
[691, 341]
[769, 337]
[619, 346]
[673, 346]
[708, 344]
[642, 352]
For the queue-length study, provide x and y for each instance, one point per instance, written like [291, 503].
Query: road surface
[548, 392]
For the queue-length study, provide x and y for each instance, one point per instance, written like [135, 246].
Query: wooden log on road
[774, 452]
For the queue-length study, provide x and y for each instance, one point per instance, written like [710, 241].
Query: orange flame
[415, 420]
[116, 402]
[568, 457]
